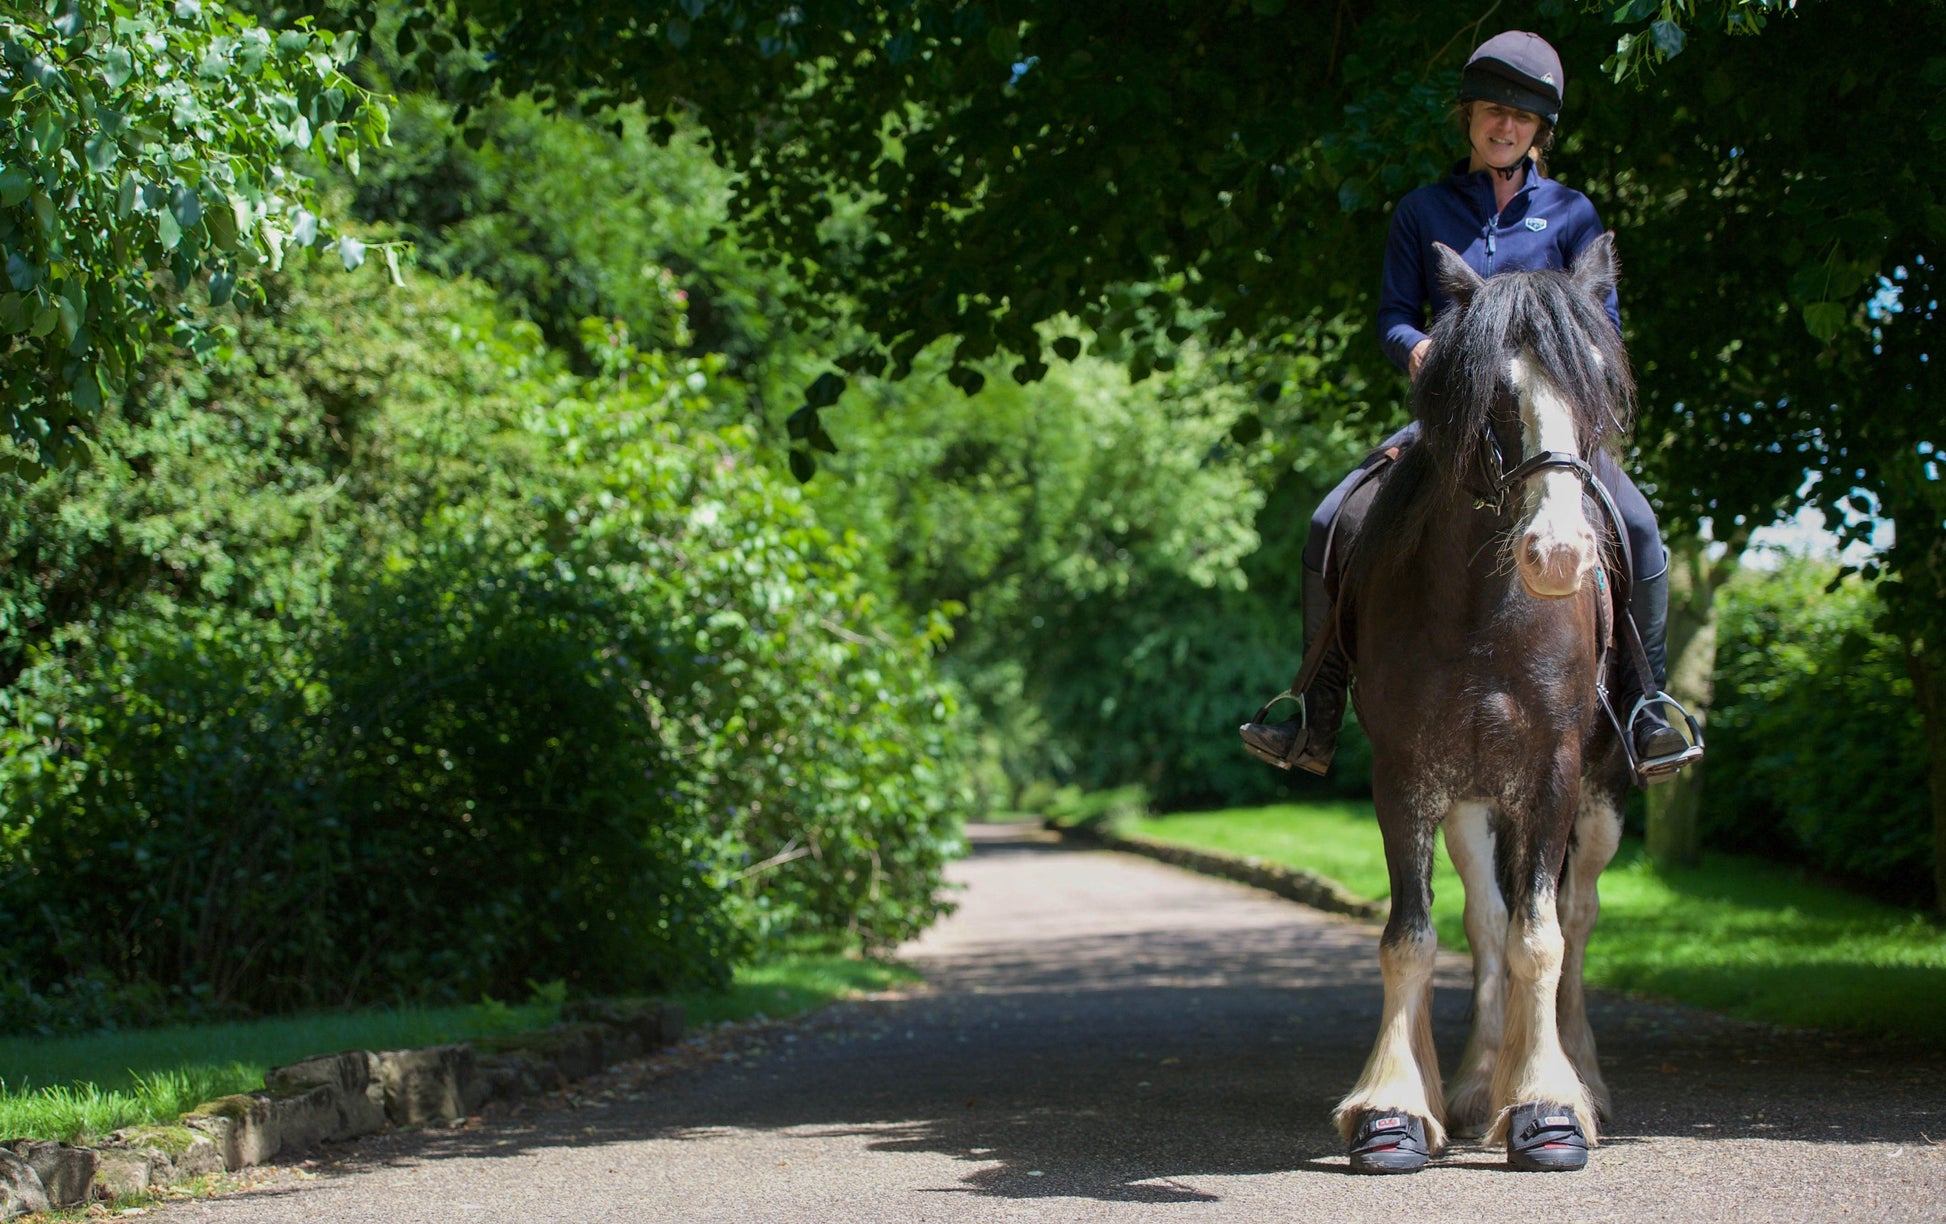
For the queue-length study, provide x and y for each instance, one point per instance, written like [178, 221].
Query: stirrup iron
[1655, 769]
[1304, 718]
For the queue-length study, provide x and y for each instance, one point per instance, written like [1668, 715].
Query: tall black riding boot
[1655, 739]
[1308, 743]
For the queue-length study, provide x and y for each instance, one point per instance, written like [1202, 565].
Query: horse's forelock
[1563, 331]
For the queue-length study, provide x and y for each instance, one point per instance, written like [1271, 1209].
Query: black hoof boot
[1545, 1138]
[1388, 1143]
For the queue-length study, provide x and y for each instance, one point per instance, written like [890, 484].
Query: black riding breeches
[1638, 519]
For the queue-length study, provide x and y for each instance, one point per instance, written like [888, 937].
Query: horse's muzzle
[1554, 568]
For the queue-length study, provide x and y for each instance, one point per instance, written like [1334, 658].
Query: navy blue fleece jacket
[1545, 225]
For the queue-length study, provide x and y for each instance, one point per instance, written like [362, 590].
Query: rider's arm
[1401, 306]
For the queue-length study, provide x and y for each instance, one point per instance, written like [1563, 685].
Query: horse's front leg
[1546, 1118]
[1394, 1119]
[1597, 832]
[1469, 843]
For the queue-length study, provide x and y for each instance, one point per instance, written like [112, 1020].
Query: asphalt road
[1107, 1038]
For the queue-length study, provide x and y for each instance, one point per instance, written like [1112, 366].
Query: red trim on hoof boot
[1389, 1142]
[1545, 1138]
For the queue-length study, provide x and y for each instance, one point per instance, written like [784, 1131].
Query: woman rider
[1502, 214]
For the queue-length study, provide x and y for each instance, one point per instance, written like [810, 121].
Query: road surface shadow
[1121, 1050]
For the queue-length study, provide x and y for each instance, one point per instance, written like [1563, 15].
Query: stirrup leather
[1654, 769]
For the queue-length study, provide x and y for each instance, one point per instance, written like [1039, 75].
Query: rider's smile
[1500, 135]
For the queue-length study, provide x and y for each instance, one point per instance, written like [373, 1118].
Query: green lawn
[73, 1088]
[1739, 935]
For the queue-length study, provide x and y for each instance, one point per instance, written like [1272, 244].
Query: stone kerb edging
[1308, 888]
[332, 1098]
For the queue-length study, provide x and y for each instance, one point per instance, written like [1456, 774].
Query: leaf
[304, 228]
[222, 228]
[803, 466]
[15, 185]
[1669, 38]
[86, 391]
[186, 205]
[1247, 429]
[117, 65]
[168, 230]
[825, 391]
[1824, 319]
[44, 320]
[21, 272]
[677, 31]
[799, 424]
[221, 287]
[126, 197]
[821, 440]
[102, 152]
[351, 252]
[392, 267]
[1067, 348]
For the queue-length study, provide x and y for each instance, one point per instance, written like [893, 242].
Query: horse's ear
[1456, 276]
[1595, 270]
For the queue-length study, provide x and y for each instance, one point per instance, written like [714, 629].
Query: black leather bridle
[1502, 480]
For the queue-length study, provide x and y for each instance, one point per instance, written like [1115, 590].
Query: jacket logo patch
[1537, 224]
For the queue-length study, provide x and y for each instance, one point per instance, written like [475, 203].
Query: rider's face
[1500, 135]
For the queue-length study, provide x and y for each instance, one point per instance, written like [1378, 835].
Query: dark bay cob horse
[1477, 603]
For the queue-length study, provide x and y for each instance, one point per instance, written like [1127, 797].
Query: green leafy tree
[146, 141]
[382, 655]
[1012, 164]
[1805, 676]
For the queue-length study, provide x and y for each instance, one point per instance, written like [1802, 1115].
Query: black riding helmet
[1515, 69]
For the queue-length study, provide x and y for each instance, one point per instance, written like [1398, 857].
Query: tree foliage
[1164, 170]
[1804, 679]
[386, 657]
[146, 140]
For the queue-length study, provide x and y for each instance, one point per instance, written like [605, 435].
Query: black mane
[1463, 390]
[1560, 327]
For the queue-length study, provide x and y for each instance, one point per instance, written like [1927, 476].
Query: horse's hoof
[1388, 1143]
[1545, 1138]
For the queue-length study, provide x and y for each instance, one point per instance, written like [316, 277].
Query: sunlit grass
[1739, 935]
[82, 1088]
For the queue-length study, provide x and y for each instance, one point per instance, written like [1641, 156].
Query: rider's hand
[1416, 358]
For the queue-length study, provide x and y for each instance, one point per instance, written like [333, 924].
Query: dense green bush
[386, 657]
[1816, 749]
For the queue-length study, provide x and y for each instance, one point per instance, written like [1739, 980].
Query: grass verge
[77, 1089]
[1738, 935]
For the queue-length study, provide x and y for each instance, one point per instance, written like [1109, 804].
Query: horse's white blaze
[1555, 546]
[1597, 833]
[1469, 843]
[1402, 1073]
